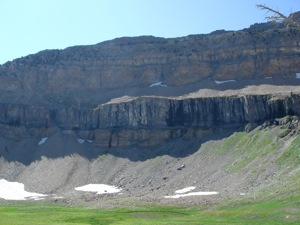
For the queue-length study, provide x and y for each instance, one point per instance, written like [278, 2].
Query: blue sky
[29, 26]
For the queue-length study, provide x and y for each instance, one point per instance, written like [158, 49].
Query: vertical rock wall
[147, 120]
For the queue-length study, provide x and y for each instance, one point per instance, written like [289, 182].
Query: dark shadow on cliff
[28, 151]
[177, 148]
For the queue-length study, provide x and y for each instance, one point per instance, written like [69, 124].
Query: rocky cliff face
[264, 50]
[40, 93]
[147, 121]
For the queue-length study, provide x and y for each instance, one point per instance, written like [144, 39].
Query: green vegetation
[248, 147]
[283, 133]
[291, 155]
[278, 211]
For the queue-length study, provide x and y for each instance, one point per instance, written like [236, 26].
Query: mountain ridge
[141, 61]
[152, 115]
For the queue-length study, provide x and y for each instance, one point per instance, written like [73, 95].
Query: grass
[291, 155]
[283, 133]
[248, 147]
[276, 211]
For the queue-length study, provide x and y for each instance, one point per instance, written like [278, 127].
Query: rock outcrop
[59, 90]
[263, 50]
[147, 121]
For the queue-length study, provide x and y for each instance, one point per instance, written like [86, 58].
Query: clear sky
[29, 26]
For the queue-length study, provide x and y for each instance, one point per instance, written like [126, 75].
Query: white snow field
[99, 188]
[186, 192]
[16, 191]
[43, 140]
[158, 84]
[224, 81]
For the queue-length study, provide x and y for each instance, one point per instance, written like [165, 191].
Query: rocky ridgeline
[38, 91]
[146, 121]
[263, 50]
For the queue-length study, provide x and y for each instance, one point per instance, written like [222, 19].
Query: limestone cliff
[263, 50]
[147, 121]
[69, 90]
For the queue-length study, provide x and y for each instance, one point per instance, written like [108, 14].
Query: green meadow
[285, 210]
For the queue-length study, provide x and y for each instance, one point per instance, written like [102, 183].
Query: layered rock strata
[263, 50]
[64, 90]
[147, 121]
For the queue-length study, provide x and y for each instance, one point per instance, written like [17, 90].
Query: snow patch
[58, 197]
[158, 84]
[200, 193]
[268, 78]
[35, 198]
[43, 140]
[298, 75]
[80, 141]
[16, 191]
[99, 188]
[185, 190]
[224, 81]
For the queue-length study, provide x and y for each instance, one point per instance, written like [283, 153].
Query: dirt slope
[231, 163]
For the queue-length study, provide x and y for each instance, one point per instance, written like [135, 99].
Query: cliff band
[70, 90]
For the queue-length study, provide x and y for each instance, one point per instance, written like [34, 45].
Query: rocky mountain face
[263, 50]
[40, 92]
[153, 115]
[147, 121]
